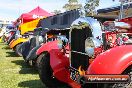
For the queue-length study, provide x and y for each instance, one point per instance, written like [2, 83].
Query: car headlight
[61, 41]
[17, 36]
[31, 36]
[41, 39]
[90, 45]
[60, 44]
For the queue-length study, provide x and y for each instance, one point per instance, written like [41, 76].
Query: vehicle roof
[60, 21]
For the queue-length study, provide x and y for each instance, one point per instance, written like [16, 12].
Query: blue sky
[14, 8]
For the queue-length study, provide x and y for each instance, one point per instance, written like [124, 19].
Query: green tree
[72, 4]
[90, 7]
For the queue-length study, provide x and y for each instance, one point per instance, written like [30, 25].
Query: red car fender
[59, 62]
[47, 47]
[112, 61]
[60, 65]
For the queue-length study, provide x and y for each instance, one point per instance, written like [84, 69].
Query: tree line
[89, 7]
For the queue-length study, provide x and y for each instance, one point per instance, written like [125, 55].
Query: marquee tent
[34, 14]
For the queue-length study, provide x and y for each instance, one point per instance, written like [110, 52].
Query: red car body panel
[47, 47]
[127, 20]
[112, 61]
[60, 65]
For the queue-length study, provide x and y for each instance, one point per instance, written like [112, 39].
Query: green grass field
[14, 73]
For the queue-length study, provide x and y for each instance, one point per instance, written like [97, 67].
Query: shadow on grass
[6, 47]
[31, 84]
[11, 54]
[36, 84]
[25, 68]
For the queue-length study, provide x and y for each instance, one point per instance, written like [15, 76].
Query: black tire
[121, 85]
[16, 50]
[46, 72]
